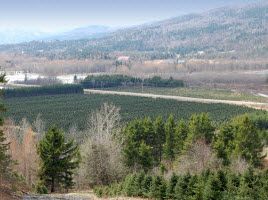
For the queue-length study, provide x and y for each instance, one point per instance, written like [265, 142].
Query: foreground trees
[5, 158]
[208, 185]
[58, 159]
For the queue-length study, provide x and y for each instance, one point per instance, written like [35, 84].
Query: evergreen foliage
[170, 140]
[240, 138]
[199, 127]
[106, 81]
[5, 158]
[172, 182]
[221, 185]
[145, 157]
[44, 90]
[59, 159]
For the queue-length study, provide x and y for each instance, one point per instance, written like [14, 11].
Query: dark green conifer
[170, 142]
[58, 159]
[172, 182]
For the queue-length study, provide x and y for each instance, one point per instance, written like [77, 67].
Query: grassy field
[66, 110]
[206, 93]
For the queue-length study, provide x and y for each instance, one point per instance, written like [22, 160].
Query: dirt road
[256, 105]
[58, 197]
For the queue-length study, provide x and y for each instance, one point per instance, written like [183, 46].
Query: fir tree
[212, 190]
[158, 188]
[138, 184]
[145, 157]
[146, 185]
[199, 127]
[180, 136]
[223, 142]
[129, 185]
[247, 143]
[223, 180]
[58, 159]
[182, 187]
[170, 143]
[159, 131]
[171, 186]
[5, 158]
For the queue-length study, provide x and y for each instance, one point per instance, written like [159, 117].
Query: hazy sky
[55, 15]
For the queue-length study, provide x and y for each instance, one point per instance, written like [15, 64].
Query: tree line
[44, 90]
[148, 143]
[208, 185]
[105, 81]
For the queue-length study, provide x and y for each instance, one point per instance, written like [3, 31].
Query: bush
[40, 188]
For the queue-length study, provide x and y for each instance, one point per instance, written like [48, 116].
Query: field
[67, 110]
[206, 93]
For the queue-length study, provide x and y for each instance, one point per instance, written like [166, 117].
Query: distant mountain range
[13, 36]
[89, 32]
[229, 31]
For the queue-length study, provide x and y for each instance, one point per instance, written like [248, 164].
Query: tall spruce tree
[247, 142]
[181, 132]
[145, 157]
[5, 158]
[58, 159]
[159, 131]
[170, 143]
[199, 127]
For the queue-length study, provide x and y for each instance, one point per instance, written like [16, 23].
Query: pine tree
[180, 136]
[158, 188]
[138, 184]
[171, 186]
[223, 180]
[170, 143]
[149, 135]
[212, 190]
[247, 143]
[145, 157]
[5, 158]
[58, 159]
[223, 142]
[199, 127]
[159, 131]
[129, 187]
[146, 185]
[182, 187]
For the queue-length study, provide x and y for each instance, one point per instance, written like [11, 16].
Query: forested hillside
[225, 32]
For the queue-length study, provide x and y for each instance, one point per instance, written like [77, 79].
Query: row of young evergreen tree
[147, 143]
[209, 185]
[105, 81]
[44, 90]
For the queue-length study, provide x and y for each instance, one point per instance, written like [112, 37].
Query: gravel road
[57, 197]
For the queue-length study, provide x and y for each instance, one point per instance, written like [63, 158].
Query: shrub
[40, 188]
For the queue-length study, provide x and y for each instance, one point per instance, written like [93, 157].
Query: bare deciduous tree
[198, 158]
[103, 160]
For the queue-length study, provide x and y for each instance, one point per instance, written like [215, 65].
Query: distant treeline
[158, 82]
[44, 90]
[105, 81]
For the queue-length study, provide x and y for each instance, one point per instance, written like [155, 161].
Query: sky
[60, 15]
